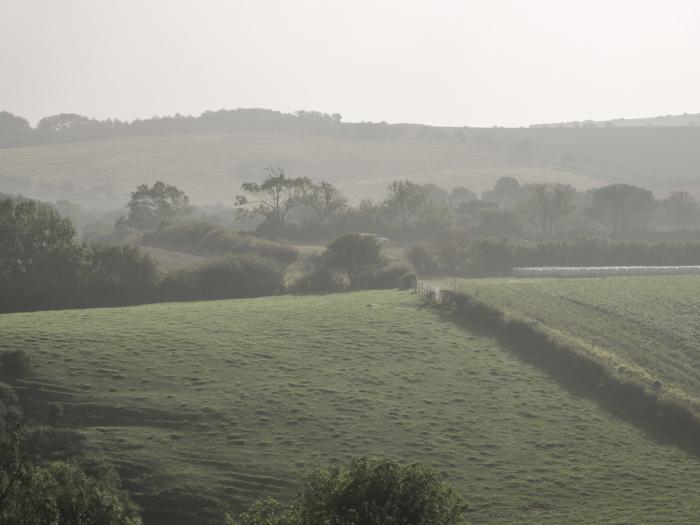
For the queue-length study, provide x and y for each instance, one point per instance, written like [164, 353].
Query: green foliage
[623, 208]
[10, 411]
[354, 253]
[422, 258]
[367, 492]
[201, 238]
[353, 261]
[273, 198]
[149, 207]
[59, 493]
[14, 364]
[116, 275]
[224, 278]
[548, 204]
[407, 201]
[38, 252]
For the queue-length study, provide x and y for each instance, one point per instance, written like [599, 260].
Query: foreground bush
[59, 494]
[367, 492]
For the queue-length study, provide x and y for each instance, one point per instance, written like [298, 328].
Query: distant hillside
[360, 158]
[210, 167]
[686, 119]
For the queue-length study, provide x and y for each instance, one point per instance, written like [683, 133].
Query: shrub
[202, 238]
[14, 364]
[60, 493]
[225, 278]
[10, 412]
[323, 279]
[407, 281]
[367, 492]
[119, 275]
[422, 259]
[389, 276]
[354, 253]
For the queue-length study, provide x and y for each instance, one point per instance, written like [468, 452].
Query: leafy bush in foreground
[61, 494]
[367, 492]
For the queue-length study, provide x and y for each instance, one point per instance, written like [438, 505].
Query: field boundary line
[639, 400]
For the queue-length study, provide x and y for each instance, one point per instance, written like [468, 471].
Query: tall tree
[406, 201]
[548, 203]
[327, 202]
[274, 197]
[682, 209]
[623, 208]
[159, 204]
[38, 251]
[508, 193]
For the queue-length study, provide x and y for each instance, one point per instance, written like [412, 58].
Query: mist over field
[324, 263]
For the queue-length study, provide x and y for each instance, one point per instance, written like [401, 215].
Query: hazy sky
[449, 62]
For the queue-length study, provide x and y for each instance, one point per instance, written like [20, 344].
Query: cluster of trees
[298, 208]
[43, 265]
[454, 254]
[351, 262]
[71, 127]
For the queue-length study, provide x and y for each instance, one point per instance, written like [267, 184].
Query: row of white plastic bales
[600, 271]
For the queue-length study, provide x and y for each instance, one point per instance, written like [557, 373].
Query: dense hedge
[202, 238]
[459, 256]
[631, 397]
[232, 276]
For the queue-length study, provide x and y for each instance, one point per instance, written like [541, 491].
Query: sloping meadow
[206, 406]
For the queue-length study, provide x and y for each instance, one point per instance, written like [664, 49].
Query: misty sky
[448, 62]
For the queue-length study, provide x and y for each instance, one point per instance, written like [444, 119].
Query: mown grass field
[232, 400]
[647, 325]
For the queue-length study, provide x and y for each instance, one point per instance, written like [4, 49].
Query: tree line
[71, 127]
[300, 209]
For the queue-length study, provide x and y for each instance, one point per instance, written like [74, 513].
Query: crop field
[217, 403]
[648, 324]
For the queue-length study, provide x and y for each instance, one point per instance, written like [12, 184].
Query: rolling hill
[210, 167]
[206, 406]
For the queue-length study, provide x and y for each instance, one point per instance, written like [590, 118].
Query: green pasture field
[217, 403]
[646, 324]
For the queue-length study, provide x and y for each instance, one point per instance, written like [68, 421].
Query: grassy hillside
[216, 403]
[643, 326]
[210, 167]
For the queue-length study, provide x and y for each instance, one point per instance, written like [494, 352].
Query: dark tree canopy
[548, 204]
[37, 247]
[327, 202]
[622, 208]
[274, 197]
[155, 206]
[406, 201]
